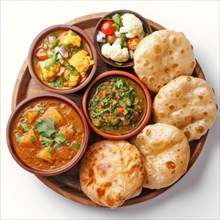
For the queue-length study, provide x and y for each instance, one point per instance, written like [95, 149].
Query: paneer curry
[62, 60]
[47, 134]
[116, 105]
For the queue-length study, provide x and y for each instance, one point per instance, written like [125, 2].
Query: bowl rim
[146, 27]
[73, 161]
[145, 117]
[45, 32]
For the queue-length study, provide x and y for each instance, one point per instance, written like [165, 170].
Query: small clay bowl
[69, 164]
[102, 78]
[130, 62]
[35, 44]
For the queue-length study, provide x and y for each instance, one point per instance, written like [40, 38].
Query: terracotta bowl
[35, 44]
[101, 78]
[68, 165]
[130, 62]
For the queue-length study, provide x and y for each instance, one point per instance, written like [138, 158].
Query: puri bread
[166, 153]
[163, 56]
[112, 172]
[187, 103]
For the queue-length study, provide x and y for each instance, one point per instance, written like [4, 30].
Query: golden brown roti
[166, 153]
[163, 56]
[112, 172]
[187, 103]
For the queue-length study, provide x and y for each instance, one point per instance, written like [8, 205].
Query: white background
[23, 196]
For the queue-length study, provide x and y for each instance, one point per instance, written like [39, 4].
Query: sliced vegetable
[132, 43]
[41, 54]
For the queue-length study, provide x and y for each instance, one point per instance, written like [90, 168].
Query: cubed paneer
[54, 115]
[68, 132]
[71, 38]
[46, 154]
[81, 61]
[31, 115]
[28, 139]
[49, 69]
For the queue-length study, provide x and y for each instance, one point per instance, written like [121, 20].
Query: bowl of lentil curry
[117, 105]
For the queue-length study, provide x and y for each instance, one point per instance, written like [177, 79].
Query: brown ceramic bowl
[38, 40]
[69, 164]
[102, 78]
[130, 62]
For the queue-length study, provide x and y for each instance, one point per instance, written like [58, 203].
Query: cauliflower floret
[71, 38]
[115, 52]
[49, 69]
[81, 61]
[132, 25]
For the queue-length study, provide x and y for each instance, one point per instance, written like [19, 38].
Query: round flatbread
[166, 153]
[163, 56]
[187, 103]
[112, 172]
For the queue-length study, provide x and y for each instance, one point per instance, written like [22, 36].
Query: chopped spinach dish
[117, 105]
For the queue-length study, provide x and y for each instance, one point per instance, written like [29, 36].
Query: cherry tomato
[110, 38]
[126, 121]
[132, 43]
[41, 54]
[107, 27]
[121, 111]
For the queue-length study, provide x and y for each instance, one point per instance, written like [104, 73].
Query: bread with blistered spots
[166, 154]
[112, 172]
[163, 56]
[188, 103]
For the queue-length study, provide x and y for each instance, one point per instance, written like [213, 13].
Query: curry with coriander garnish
[47, 133]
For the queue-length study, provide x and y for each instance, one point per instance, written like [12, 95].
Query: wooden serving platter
[67, 184]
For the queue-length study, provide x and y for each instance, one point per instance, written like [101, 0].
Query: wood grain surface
[67, 184]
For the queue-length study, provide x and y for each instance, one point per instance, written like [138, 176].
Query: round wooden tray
[67, 184]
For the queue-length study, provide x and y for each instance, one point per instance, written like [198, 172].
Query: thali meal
[62, 59]
[188, 103]
[165, 152]
[163, 56]
[47, 134]
[112, 172]
[119, 36]
[117, 105]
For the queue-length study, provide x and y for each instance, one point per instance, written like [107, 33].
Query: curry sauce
[47, 134]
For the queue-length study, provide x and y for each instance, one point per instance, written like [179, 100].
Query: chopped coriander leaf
[25, 127]
[47, 128]
[39, 108]
[35, 61]
[56, 83]
[55, 34]
[51, 151]
[58, 146]
[32, 138]
[78, 145]
[59, 138]
[18, 138]
[55, 44]
[118, 22]
[107, 19]
[101, 128]
[141, 99]
[67, 142]
[46, 141]
[123, 40]
[75, 129]
[119, 83]
[74, 33]
[70, 68]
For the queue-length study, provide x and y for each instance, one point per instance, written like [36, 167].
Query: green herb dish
[117, 105]
[62, 59]
[117, 36]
